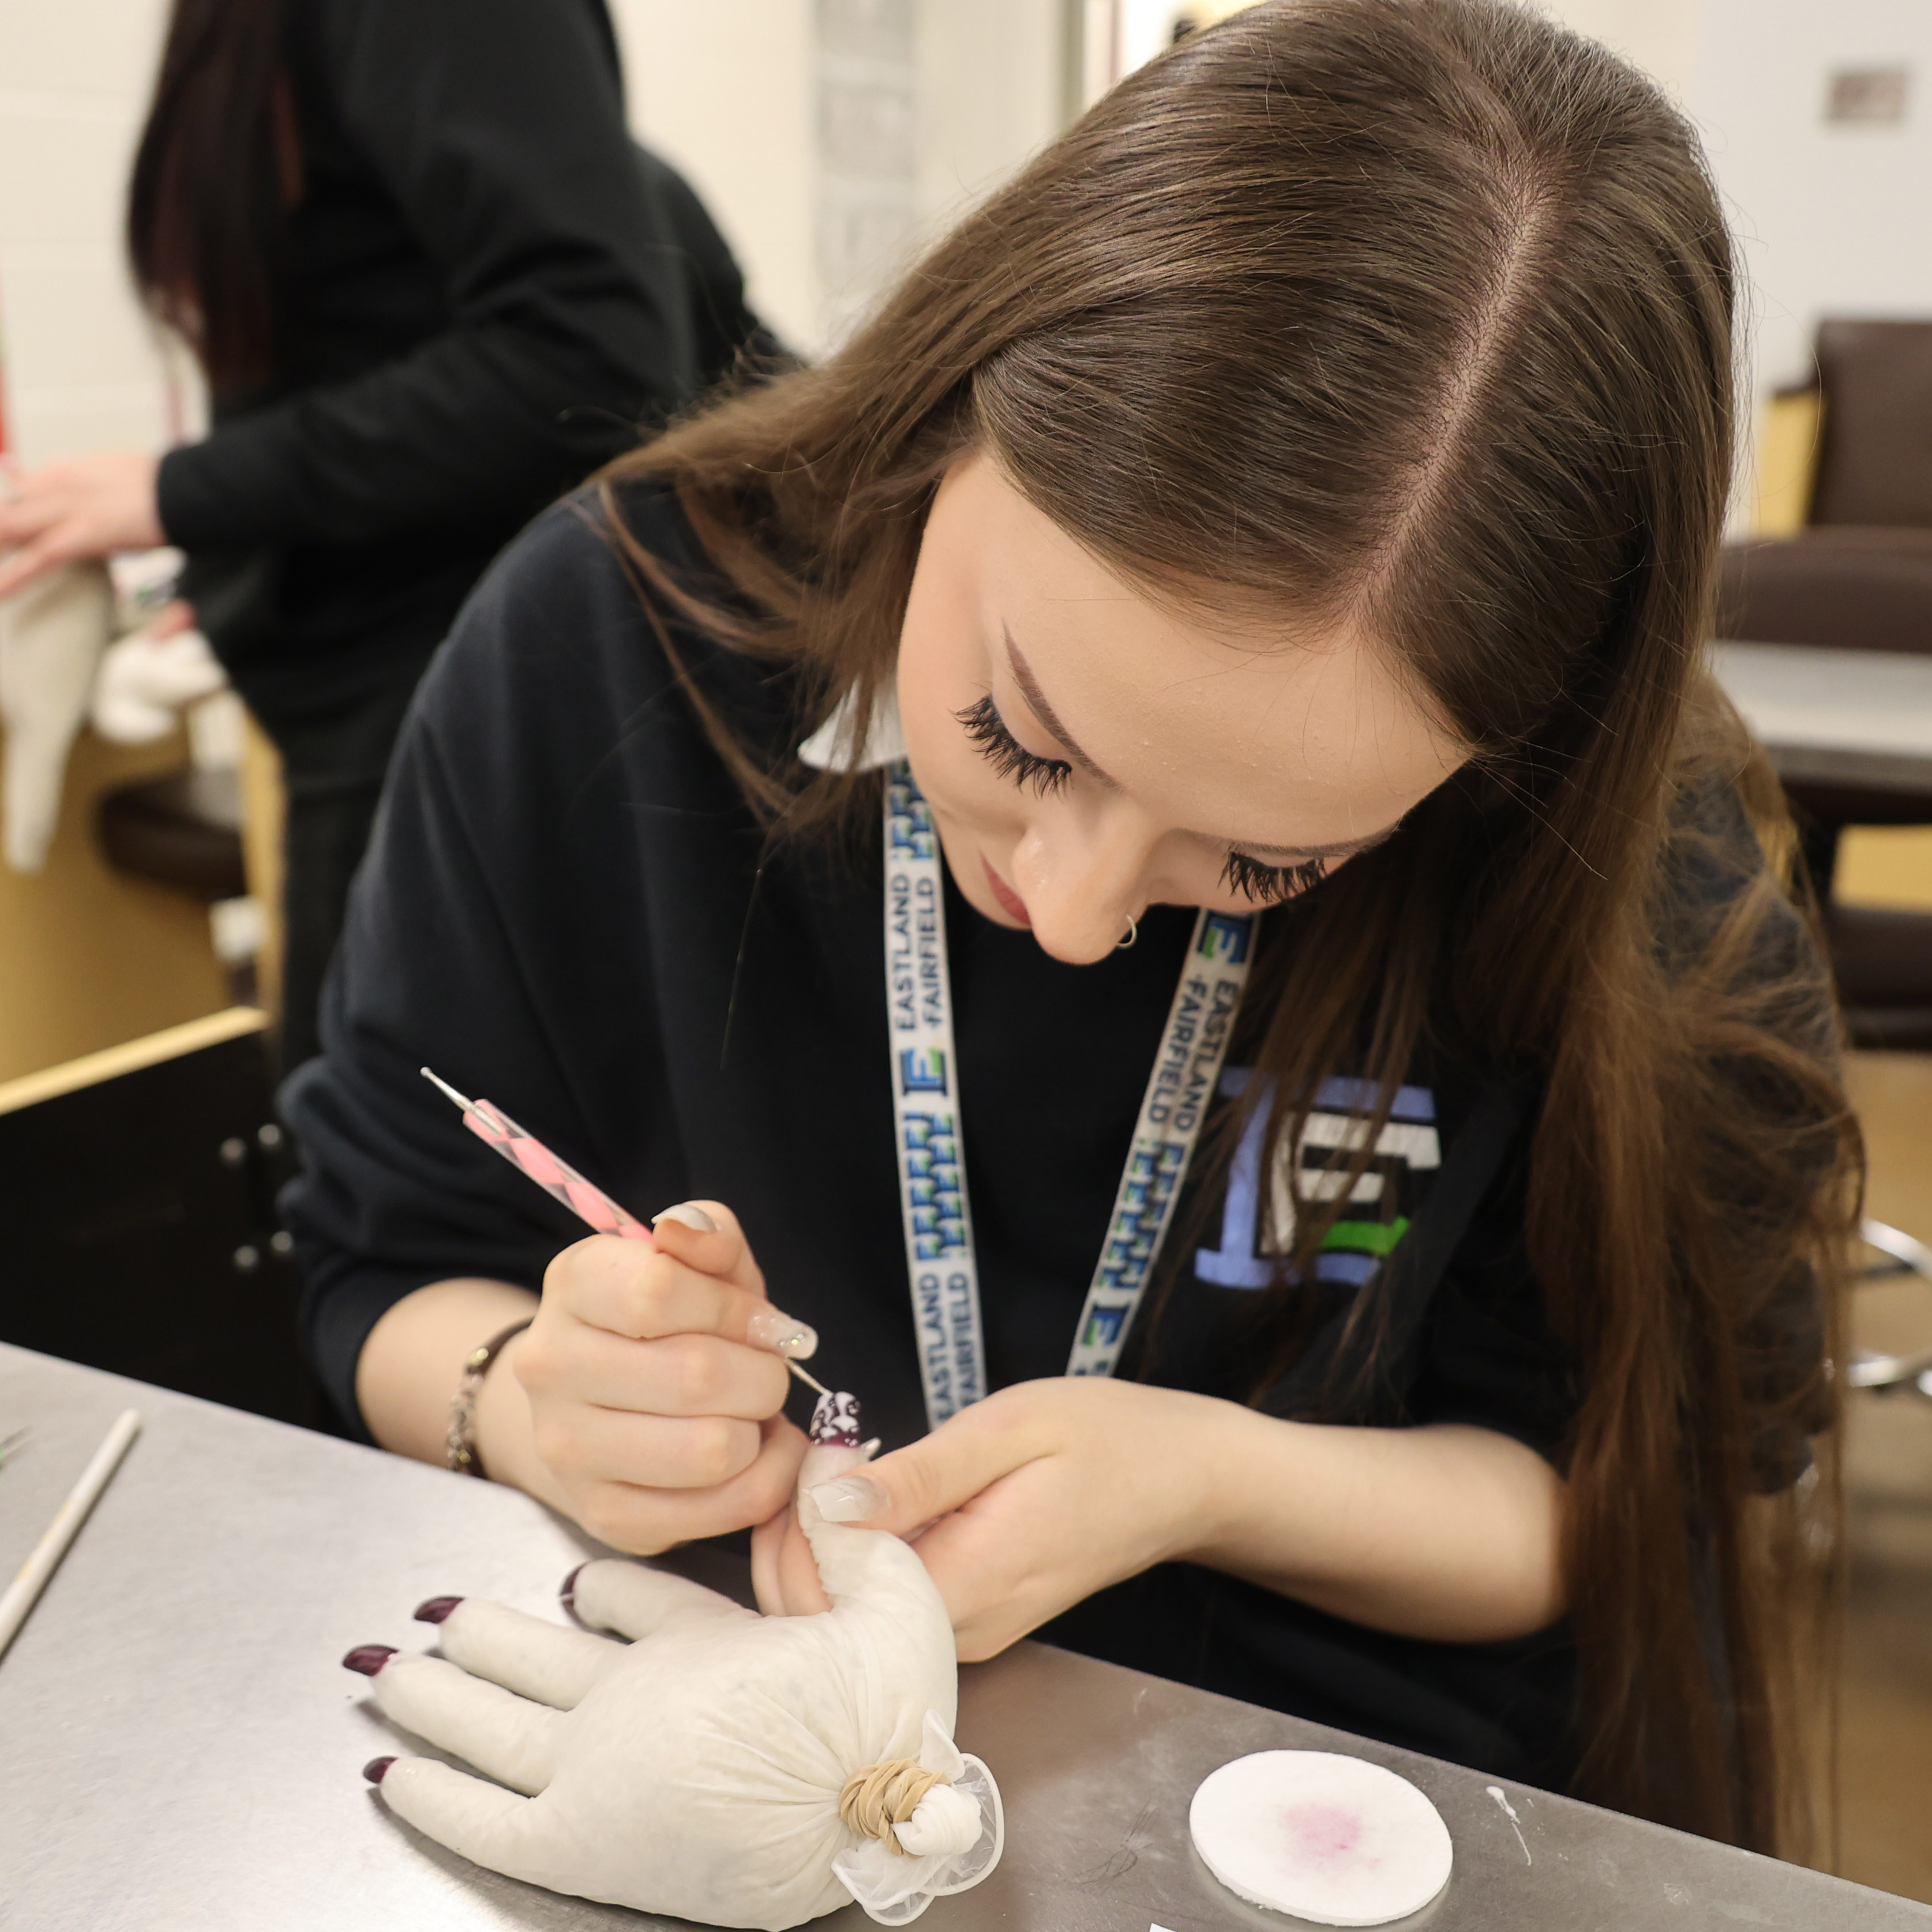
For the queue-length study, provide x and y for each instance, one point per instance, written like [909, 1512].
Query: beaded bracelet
[459, 1445]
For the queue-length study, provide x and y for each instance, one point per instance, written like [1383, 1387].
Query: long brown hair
[1419, 312]
[217, 167]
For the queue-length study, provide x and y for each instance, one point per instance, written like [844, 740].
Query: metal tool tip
[443, 1086]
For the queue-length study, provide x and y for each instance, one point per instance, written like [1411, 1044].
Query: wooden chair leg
[262, 814]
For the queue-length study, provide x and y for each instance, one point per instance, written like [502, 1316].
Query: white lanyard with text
[940, 1259]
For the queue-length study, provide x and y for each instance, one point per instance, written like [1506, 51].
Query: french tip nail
[369, 1658]
[567, 1595]
[848, 1498]
[373, 1770]
[434, 1609]
[689, 1214]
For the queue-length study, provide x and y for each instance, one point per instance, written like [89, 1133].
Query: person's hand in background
[86, 506]
[1045, 1492]
[148, 677]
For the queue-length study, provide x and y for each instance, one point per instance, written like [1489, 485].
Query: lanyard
[930, 1136]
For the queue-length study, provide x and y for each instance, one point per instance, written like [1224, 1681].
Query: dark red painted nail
[436, 1608]
[373, 1770]
[568, 1594]
[369, 1658]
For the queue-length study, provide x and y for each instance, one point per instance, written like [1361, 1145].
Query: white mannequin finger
[51, 636]
[524, 1653]
[636, 1601]
[479, 1821]
[505, 1736]
[870, 1575]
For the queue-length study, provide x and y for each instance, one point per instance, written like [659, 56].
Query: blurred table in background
[1836, 717]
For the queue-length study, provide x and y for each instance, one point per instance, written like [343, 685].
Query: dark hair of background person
[216, 169]
[1417, 315]
[432, 282]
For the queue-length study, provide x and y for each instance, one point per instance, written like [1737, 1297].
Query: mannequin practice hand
[52, 637]
[1030, 1501]
[88, 506]
[654, 1392]
[147, 678]
[699, 1771]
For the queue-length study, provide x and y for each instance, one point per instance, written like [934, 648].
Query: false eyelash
[1007, 754]
[1270, 885]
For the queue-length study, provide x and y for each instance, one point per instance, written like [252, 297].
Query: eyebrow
[1036, 702]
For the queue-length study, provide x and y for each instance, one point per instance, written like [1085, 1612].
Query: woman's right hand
[654, 1386]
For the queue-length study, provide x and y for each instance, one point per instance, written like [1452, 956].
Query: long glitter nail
[784, 1334]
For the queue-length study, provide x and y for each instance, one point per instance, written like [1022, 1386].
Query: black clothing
[488, 287]
[569, 909]
[564, 910]
[333, 764]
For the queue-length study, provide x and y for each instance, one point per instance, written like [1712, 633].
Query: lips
[1011, 903]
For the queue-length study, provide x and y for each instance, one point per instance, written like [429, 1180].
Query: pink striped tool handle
[556, 1176]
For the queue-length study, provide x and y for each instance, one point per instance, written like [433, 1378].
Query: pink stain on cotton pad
[1332, 1839]
[1323, 1831]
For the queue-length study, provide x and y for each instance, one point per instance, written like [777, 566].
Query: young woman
[1272, 537]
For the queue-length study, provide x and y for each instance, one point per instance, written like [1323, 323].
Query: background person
[1295, 496]
[432, 283]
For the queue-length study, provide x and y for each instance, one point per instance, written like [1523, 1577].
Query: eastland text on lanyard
[928, 1115]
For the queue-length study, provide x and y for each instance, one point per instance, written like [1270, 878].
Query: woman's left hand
[88, 506]
[1025, 1503]
[1042, 1494]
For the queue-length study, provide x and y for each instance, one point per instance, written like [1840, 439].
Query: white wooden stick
[25, 1590]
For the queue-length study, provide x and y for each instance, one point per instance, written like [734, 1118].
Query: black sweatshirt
[488, 287]
[569, 910]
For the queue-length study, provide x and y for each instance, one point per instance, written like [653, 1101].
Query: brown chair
[1857, 575]
[184, 830]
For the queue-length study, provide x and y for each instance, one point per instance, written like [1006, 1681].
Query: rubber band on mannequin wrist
[460, 1450]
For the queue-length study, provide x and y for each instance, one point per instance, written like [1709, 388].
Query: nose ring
[1133, 933]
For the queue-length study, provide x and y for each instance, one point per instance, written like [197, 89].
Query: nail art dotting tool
[558, 1179]
[24, 1591]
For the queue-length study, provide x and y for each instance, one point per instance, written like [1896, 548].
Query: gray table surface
[180, 1748]
[1846, 717]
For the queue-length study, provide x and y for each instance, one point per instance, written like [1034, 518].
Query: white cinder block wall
[725, 91]
[80, 364]
[830, 136]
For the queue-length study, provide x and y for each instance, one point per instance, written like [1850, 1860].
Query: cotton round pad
[1331, 1838]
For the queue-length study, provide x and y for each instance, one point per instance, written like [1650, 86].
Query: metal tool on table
[560, 1180]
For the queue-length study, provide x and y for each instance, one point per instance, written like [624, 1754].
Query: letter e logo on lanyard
[941, 1260]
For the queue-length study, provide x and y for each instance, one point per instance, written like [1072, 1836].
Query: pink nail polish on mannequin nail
[436, 1609]
[784, 1334]
[373, 1770]
[369, 1658]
